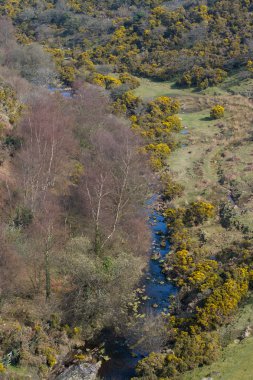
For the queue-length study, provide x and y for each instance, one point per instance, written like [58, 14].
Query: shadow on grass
[177, 86]
[206, 118]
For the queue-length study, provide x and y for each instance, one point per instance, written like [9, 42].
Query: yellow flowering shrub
[217, 112]
[198, 212]
[222, 302]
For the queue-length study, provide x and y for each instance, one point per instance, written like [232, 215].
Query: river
[123, 360]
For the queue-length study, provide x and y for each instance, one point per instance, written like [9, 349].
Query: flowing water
[123, 360]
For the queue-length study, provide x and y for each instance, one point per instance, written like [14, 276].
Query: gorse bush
[151, 39]
[202, 78]
[217, 112]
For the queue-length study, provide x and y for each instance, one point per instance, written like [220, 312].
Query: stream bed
[123, 360]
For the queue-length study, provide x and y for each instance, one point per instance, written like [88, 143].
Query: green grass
[192, 163]
[200, 130]
[238, 165]
[215, 91]
[235, 364]
[199, 122]
[237, 84]
[21, 373]
[150, 89]
[234, 84]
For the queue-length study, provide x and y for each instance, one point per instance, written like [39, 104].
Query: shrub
[129, 80]
[223, 301]
[51, 359]
[106, 81]
[13, 142]
[128, 103]
[163, 107]
[158, 365]
[250, 66]
[227, 215]
[217, 112]
[171, 189]
[198, 212]
[197, 349]
[33, 63]
[23, 217]
[202, 78]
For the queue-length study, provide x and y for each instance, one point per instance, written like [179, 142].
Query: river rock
[163, 244]
[156, 256]
[81, 371]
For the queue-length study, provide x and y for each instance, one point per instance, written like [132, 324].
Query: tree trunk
[47, 275]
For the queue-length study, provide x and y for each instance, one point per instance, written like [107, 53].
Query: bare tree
[43, 167]
[7, 33]
[47, 142]
[114, 181]
[12, 269]
[108, 181]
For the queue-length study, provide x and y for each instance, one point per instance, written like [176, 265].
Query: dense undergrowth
[199, 42]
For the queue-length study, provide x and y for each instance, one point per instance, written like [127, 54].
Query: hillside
[197, 42]
[126, 188]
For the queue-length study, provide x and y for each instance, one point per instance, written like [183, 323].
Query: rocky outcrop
[81, 371]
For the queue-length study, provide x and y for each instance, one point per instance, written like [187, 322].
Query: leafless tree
[43, 169]
[47, 142]
[12, 269]
[115, 177]
[7, 33]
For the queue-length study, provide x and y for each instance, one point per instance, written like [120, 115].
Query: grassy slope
[150, 89]
[236, 364]
[204, 141]
[236, 360]
[207, 147]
